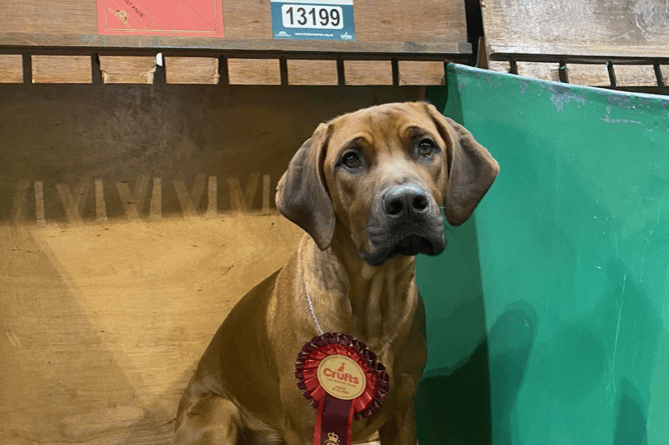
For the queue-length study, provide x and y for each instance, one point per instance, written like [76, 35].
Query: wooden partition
[137, 178]
[68, 42]
[603, 43]
[132, 218]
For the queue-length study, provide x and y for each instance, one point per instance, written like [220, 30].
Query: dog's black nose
[405, 200]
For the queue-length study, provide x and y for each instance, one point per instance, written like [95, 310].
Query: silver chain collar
[313, 313]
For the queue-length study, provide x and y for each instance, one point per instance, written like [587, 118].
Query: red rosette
[338, 344]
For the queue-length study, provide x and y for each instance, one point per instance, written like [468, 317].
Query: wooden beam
[123, 45]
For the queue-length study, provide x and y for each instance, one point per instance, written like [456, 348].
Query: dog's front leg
[298, 423]
[400, 429]
[207, 419]
[295, 434]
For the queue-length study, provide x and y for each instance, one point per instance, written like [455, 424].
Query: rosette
[343, 380]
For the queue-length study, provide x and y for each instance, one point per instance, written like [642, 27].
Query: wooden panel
[62, 69]
[102, 325]
[122, 69]
[247, 19]
[635, 75]
[410, 21]
[42, 17]
[254, 72]
[191, 70]
[636, 28]
[545, 71]
[595, 75]
[11, 69]
[122, 212]
[312, 72]
[368, 72]
[421, 73]
[389, 26]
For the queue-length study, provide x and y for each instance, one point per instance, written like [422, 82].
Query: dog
[370, 189]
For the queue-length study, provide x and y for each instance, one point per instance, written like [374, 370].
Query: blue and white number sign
[313, 19]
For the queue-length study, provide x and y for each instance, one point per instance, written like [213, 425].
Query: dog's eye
[351, 160]
[426, 147]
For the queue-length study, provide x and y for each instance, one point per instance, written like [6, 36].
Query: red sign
[191, 18]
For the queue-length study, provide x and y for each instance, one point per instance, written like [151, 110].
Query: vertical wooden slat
[192, 70]
[254, 72]
[312, 72]
[499, 65]
[635, 75]
[545, 71]
[596, 75]
[664, 70]
[11, 68]
[368, 72]
[61, 69]
[421, 73]
[122, 69]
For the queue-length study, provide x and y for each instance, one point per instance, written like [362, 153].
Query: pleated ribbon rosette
[343, 380]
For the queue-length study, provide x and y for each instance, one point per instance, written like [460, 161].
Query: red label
[191, 18]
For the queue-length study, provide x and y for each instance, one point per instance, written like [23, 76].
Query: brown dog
[368, 187]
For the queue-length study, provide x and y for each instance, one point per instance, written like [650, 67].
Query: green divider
[565, 268]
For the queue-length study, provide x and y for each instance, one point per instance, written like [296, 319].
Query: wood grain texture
[39, 17]
[410, 21]
[247, 19]
[128, 69]
[103, 325]
[61, 69]
[635, 75]
[192, 70]
[596, 75]
[545, 71]
[421, 73]
[11, 68]
[433, 26]
[254, 72]
[312, 72]
[368, 72]
[607, 28]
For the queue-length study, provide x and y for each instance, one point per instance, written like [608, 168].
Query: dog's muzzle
[406, 221]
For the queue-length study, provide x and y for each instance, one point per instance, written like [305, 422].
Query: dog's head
[383, 173]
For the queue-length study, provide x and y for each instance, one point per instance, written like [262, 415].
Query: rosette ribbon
[343, 380]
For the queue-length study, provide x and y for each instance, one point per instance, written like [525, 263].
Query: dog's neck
[377, 301]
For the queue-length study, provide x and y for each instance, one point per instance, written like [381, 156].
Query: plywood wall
[132, 218]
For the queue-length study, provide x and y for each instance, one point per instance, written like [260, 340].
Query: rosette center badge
[341, 377]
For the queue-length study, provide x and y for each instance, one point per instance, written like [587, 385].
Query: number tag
[313, 19]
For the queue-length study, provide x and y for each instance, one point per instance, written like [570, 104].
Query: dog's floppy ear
[471, 169]
[302, 196]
